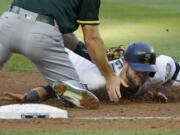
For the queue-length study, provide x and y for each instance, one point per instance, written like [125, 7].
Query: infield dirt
[21, 82]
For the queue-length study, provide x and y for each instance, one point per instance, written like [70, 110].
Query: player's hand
[113, 87]
[9, 96]
[161, 97]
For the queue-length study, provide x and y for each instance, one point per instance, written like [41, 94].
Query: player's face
[135, 78]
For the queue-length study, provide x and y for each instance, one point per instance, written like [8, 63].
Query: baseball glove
[115, 52]
[163, 94]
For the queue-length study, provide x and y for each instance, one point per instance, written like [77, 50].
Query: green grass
[4, 5]
[156, 22]
[125, 21]
[172, 132]
[143, 20]
[19, 63]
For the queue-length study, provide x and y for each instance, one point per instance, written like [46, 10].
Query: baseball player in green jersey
[34, 28]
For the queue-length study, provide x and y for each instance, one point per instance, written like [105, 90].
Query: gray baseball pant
[42, 43]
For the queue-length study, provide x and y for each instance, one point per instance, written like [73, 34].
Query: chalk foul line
[177, 118]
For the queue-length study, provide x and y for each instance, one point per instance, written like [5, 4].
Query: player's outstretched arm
[14, 97]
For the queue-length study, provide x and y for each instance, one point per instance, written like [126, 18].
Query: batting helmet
[141, 57]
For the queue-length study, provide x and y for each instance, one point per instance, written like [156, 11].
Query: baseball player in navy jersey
[139, 68]
[34, 28]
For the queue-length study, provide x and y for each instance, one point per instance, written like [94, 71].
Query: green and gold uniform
[30, 29]
[68, 13]
[38, 39]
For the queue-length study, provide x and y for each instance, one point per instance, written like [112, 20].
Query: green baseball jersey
[68, 13]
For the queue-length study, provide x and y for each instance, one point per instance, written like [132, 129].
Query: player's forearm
[96, 50]
[70, 41]
[98, 55]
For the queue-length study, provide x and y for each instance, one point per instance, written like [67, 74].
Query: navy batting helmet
[141, 57]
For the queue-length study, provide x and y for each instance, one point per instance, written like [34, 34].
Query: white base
[28, 111]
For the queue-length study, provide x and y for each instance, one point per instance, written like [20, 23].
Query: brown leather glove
[115, 52]
[160, 97]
